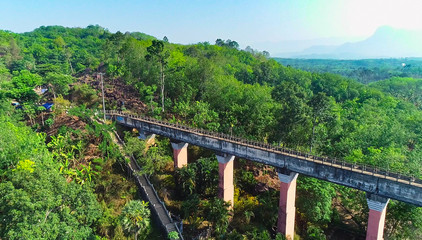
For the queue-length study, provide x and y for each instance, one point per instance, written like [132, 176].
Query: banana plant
[88, 172]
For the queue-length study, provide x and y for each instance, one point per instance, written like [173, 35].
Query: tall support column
[180, 154]
[287, 210]
[148, 137]
[225, 185]
[377, 210]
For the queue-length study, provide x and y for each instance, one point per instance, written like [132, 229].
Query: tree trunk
[312, 137]
[67, 55]
[30, 119]
[162, 86]
[42, 118]
[71, 68]
[54, 92]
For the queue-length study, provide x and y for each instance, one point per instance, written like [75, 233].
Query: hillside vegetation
[213, 86]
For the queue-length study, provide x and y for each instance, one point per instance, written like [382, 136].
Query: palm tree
[135, 218]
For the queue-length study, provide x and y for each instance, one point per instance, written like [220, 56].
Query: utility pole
[102, 90]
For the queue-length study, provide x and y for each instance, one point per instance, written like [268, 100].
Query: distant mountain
[386, 42]
[287, 47]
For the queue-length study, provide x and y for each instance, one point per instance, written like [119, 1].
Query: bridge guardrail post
[412, 179]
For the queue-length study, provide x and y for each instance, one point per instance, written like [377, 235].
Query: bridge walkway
[149, 194]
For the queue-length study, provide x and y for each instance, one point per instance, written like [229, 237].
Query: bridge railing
[340, 163]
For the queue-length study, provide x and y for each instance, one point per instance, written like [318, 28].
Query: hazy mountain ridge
[386, 42]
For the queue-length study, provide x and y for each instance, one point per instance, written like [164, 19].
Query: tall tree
[59, 83]
[156, 52]
[321, 112]
[292, 116]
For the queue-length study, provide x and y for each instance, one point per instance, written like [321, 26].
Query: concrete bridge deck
[371, 180]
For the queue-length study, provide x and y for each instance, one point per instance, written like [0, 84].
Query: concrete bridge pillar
[287, 210]
[225, 185]
[377, 210]
[147, 136]
[180, 154]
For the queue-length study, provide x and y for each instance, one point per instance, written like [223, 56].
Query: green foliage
[245, 180]
[35, 200]
[256, 234]
[22, 85]
[59, 83]
[268, 208]
[147, 93]
[25, 165]
[110, 151]
[18, 143]
[279, 236]
[363, 70]
[61, 105]
[407, 89]
[81, 111]
[200, 114]
[156, 53]
[173, 235]
[228, 43]
[216, 212]
[83, 94]
[316, 200]
[315, 233]
[69, 148]
[30, 111]
[43, 205]
[243, 109]
[151, 158]
[135, 219]
[191, 211]
[59, 49]
[200, 177]
[206, 180]
[403, 221]
[185, 180]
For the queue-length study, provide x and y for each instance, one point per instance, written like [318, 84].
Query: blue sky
[249, 22]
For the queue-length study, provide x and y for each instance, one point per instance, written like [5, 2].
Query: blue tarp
[47, 105]
[16, 105]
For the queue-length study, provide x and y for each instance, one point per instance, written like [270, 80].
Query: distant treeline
[364, 71]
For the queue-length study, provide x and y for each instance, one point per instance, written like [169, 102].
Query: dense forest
[364, 70]
[61, 175]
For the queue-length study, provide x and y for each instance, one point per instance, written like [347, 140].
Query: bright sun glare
[364, 16]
